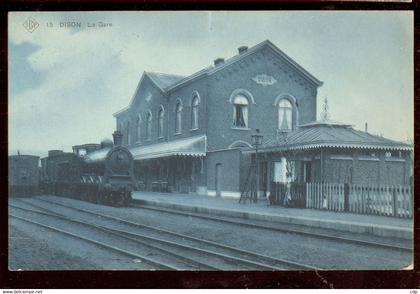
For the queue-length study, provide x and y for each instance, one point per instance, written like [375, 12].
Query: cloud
[21, 75]
[77, 77]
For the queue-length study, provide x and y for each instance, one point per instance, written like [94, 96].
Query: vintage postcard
[210, 140]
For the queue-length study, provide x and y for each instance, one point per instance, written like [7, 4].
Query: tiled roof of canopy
[331, 134]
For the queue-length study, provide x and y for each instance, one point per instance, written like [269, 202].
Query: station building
[193, 133]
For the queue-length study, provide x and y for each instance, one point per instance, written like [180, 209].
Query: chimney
[117, 138]
[242, 49]
[219, 61]
[366, 127]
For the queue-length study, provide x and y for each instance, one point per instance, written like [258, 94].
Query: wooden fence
[292, 196]
[379, 200]
[382, 200]
[325, 196]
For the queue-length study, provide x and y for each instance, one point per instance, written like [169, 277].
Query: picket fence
[379, 200]
[394, 201]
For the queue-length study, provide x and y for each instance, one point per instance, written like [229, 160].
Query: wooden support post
[394, 202]
[346, 196]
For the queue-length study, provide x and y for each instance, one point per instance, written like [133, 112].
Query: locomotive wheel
[106, 200]
[127, 198]
[111, 199]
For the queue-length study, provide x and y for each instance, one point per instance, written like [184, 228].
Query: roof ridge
[166, 74]
[228, 61]
[379, 137]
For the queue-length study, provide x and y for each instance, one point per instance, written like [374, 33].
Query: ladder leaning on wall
[249, 189]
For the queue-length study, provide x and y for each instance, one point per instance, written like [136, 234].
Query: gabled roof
[168, 82]
[163, 80]
[212, 69]
[322, 134]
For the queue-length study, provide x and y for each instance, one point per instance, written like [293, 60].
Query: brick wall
[365, 169]
[229, 161]
[185, 94]
[142, 106]
[358, 167]
[263, 114]
[215, 109]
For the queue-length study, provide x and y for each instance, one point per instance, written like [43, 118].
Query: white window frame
[195, 103]
[138, 128]
[128, 140]
[161, 121]
[283, 113]
[244, 108]
[149, 120]
[178, 117]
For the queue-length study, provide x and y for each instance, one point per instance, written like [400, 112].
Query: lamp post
[256, 140]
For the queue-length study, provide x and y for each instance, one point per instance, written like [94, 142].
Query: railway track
[191, 263]
[159, 265]
[239, 258]
[278, 229]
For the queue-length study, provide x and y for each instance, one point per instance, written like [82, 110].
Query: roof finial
[325, 115]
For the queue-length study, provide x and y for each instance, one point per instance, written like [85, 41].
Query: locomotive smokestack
[117, 138]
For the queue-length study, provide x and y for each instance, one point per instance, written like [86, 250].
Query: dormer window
[285, 109]
[240, 111]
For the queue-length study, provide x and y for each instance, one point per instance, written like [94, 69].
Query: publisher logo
[31, 24]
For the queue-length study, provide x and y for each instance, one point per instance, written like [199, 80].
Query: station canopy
[331, 134]
[193, 146]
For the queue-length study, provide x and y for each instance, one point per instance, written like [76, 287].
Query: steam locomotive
[99, 173]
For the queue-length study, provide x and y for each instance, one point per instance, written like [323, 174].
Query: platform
[342, 221]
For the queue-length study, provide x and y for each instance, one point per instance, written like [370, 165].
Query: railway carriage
[23, 175]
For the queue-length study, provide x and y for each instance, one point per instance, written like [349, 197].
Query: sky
[66, 82]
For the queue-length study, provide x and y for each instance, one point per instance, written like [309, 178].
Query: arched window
[240, 111]
[138, 129]
[285, 115]
[194, 112]
[128, 133]
[161, 116]
[149, 125]
[240, 144]
[178, 117]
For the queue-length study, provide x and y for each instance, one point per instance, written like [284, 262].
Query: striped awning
[192, 146]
